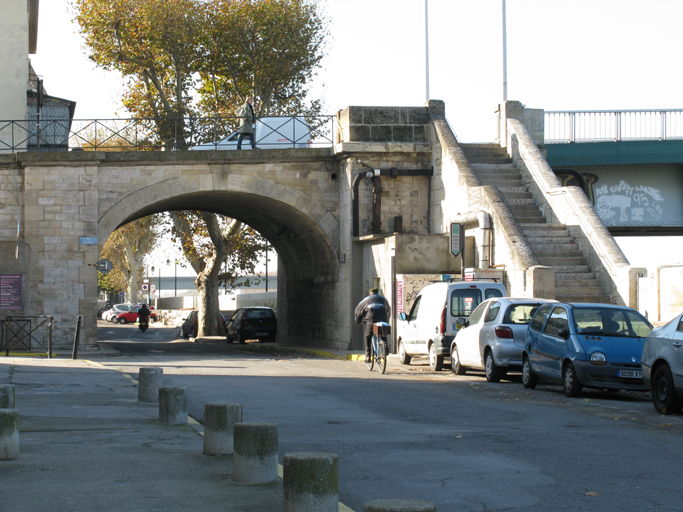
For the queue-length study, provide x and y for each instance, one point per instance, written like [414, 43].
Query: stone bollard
[9, 434]
[311, 482]
[255, 458]
[7, 396]
[149, 382]
[399, 506]
[173, 405]
[219, 427]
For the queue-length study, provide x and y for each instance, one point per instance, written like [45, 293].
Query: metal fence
[170, 134]
[613, 125]
[23, 332]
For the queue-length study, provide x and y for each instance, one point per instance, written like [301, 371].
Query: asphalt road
[458, 441]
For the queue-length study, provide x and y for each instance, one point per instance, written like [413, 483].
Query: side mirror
[563, 333]
[403, 317]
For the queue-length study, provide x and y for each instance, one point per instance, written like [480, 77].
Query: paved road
[455, 440]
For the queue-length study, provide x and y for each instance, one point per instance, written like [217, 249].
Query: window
[520, 314]
[464, 301]
[492, 293]
[413, 310]
[558, 320]
[611, 322]
[680, 325]
[258, 313]
[538, 321]
[492, 313]
[478, 313]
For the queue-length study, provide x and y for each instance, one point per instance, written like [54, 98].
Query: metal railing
[168, 134]
[613, 125]
[18, 332]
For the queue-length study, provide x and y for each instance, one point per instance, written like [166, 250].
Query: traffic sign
[145, 287]
[457, 238]
[104, 266]
[153, 288]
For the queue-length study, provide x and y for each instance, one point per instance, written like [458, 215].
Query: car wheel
[123, 321]
[193, 334]
[529, 378]
[435, 362]
[493, 372]
[456, 367]
[403, 357]
[664, 396]
[572, 386]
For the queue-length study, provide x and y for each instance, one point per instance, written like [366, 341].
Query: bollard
[173, 405]
[311, 482]
[399, 506]
[7, 396]
[255, 458]
[9, 434]
[219, 427]
[149, 382]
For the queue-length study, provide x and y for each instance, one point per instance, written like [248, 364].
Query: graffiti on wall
[624, 203]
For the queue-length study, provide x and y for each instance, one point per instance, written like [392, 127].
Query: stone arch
[304, 233]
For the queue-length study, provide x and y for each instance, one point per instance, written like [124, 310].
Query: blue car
[585, 345]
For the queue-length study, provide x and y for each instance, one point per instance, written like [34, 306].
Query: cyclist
[372, 309]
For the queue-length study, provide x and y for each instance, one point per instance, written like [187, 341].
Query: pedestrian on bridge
[246, 112]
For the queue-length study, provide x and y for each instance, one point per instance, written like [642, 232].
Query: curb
[308, 351]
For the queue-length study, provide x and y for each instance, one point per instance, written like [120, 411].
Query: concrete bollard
[149, 382]
[219, 427]
[255, 458]
[399, 506]
[9, 434]
[311, 482]
[7, 396]
[173, 405]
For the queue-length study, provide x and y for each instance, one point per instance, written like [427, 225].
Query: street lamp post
[175, 274]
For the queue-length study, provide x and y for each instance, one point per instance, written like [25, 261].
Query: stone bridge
[338, 226]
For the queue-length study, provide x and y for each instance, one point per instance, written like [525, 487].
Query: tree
[208, 241]
[126, 248]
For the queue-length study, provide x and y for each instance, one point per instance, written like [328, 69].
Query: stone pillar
[219, 427]
[255, 458]
[540, 282]
[399, 506]
[173, 405]
[7, 396]
[9, 434]
[149, 382]
[311, 482]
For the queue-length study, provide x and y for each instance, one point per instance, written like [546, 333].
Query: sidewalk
[87, 444]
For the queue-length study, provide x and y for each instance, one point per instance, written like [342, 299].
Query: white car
[493, 337]
[117, 309]
[662, 365]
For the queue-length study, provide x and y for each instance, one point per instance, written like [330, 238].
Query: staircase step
[574, 278]
[496, 182]
[552, 240]
[584, 290]
[555, 253]
[538, 232]
[592, 299]
[526, 219]
[571, 271]
[479, 167]
[482, 146]
[514, 190]
[539, 249]
[562, 261]
[525, 207]
[488, 159]
[511, 196]
[527, 201]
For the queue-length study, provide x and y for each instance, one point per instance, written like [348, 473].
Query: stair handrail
[595, 230]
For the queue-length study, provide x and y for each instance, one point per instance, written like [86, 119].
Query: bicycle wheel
[373, 351]
[382, 356]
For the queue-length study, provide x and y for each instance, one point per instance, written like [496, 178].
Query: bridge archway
[303, 232]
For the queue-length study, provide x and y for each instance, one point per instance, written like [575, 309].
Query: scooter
[143, 323]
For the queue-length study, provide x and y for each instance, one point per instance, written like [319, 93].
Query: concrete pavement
[87, 444]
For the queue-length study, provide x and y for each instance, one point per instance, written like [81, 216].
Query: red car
[131, 316]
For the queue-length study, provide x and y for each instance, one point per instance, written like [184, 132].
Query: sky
[561, 55]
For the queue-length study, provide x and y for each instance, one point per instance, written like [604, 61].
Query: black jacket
[372, 309]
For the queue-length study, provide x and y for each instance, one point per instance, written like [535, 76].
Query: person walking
[247, 124]
[372, 309]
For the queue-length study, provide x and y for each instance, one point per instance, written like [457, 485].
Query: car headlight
[598, 358]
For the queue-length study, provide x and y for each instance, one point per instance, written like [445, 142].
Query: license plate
[630, 374]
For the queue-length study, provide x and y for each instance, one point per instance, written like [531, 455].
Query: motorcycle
[143, 323]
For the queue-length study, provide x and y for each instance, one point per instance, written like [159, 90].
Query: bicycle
[379, 347]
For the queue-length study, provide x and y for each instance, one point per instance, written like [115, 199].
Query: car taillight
[442, 327]
[504, 332]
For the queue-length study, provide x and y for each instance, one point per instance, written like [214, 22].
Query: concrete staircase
[552, 244]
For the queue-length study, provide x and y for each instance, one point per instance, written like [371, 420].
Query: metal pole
[74, 353]
[266, 270]
[505, 58]
[427, 45]
[175, 292]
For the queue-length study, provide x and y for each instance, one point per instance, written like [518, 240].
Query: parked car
[493, 337]
[116, 309]
[663, 366]
[252, 323]
[432, 323]
[585, 345]
[190, 325]
[131, 316]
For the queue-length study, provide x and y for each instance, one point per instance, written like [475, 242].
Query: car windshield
[464, 301]
[258, 313]
[599, 321]
[520, 314]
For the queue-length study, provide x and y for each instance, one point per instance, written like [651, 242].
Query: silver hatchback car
[662, 364]
[493, 336]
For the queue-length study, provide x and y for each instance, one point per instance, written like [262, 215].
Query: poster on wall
[10, 292]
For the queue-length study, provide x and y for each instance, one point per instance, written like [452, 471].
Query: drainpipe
[377, 192]
[483, 219]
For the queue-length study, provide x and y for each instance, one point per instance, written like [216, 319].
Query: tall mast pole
[427, 45]
[505, 58]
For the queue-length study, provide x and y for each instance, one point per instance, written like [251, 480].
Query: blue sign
[121, 297]
[88, 240]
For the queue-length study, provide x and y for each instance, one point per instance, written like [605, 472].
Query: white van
[436, 315]
[269, 133]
